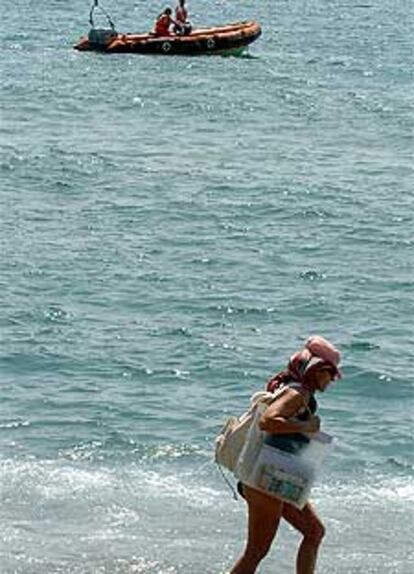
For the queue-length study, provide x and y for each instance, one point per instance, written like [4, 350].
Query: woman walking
[309, 371]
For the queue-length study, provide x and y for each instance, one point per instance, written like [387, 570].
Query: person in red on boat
[309, 371]
[164, 23]
[183, 25]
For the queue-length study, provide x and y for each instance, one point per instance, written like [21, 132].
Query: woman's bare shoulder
[288, 403]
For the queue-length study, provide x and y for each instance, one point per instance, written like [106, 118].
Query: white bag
[229, 443]
[251, 447]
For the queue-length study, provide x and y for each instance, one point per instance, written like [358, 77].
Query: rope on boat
[108, 17]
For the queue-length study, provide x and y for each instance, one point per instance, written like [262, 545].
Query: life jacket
[162, 25]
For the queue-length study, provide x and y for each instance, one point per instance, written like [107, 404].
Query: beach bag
[231, 440]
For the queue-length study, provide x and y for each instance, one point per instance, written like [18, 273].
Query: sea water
[172, 229]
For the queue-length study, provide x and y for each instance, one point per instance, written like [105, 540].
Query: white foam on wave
[397, 492]
[51, 480]
[14, 424]
[47, 481]
[76, 513]
[178, 515]
[371, 490]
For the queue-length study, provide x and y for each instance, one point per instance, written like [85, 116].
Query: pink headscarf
[318, 353]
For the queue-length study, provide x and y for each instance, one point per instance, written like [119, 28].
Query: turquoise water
[172, 230]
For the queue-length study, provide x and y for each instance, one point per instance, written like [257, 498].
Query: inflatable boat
[232, 38]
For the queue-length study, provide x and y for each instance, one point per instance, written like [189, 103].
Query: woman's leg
[308, 523]
[264, 517]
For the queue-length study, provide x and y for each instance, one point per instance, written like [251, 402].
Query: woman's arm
[277, 418]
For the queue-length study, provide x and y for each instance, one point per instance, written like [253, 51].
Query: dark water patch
[36, 362]
[401, 464]
[313, 212]
[364, 346]
[312, 275]
[55, 313]
[338, 62]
